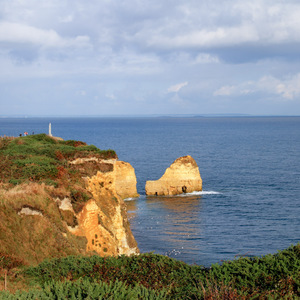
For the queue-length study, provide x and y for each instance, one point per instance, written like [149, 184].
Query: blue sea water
[250, 166]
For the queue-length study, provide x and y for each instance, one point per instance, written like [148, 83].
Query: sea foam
[199, 193]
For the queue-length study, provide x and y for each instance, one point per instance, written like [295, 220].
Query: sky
[105, 57]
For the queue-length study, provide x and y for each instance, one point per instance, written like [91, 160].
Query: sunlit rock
[182, 176]
[125, 180]
[103, 219]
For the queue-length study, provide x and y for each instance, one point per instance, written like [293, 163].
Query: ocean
[250, 167]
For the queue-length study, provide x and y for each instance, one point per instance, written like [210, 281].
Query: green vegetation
[85, 289]
[41, 158]
[150, 276]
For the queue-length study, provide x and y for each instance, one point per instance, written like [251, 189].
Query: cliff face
[103, 220]
[182, 176]
[125, 180]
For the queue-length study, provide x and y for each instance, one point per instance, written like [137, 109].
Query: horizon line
[21, 116]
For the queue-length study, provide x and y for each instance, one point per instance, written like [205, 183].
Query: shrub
[15, 181]
[78, 198]
[275, 276]
[152, 271]
[51, 182]
[74, 143]
[267, 273]
[84, 289]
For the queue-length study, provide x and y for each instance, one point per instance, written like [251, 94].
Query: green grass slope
[41, 158]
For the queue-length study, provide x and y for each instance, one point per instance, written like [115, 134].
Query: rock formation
[122, 173]
[103, 219]
[182, 176]
[125, 180]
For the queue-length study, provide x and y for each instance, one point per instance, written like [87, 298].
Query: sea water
[250, 168]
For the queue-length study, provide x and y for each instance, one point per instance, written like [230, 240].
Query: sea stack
[182, 176]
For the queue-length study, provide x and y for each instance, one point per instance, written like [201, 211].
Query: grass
[275, 276]
[42, 158]
[33, 238]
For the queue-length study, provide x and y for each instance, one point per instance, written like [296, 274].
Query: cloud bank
[225, 57]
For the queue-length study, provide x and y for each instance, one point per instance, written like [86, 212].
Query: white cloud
[177, 87]
[206, 38]
[287, 89]
[226, 90]
[205, 58]
[20, 33]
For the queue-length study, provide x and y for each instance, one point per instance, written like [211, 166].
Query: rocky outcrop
[182, 176]
[103, 219]
[123, 174]
[125, 180]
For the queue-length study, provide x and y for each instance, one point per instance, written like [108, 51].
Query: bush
[84, 289]
[74, 143]
[261, 273]
[152, 271]
[276, 276]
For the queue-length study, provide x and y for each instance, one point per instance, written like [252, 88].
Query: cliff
[125, 180]
[103, 219]
[182, 176]
[60, 198]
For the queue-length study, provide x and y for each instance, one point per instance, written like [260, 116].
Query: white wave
[200, 193]
[196, 193]
[131, 198]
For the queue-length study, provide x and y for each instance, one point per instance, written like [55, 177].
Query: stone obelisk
[50, 134]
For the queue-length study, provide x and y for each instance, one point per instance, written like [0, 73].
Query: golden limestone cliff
[125, 180]
[182, 176]
[103, 219]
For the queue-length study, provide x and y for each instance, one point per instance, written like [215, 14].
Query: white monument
[50, 134]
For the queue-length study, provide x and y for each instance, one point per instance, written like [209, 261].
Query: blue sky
[104, 57]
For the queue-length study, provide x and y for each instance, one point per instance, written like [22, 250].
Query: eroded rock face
[182, 176]
[103, 219]
[125, 180]
[123, 174]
